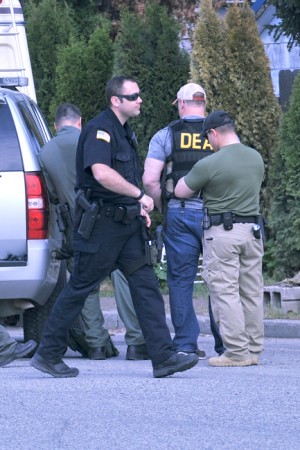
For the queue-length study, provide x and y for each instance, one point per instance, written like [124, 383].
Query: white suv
[30, 276]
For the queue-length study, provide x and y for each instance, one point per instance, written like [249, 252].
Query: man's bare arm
[113, 181]
[182, 190]
[152, 173]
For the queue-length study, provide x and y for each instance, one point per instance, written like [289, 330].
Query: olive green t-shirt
[230, 180]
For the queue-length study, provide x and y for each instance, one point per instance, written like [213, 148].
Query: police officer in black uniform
[108, 179]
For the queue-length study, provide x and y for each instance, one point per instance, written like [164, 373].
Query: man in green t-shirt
[230, 181]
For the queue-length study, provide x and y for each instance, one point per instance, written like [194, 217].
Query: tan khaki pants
[232, 270]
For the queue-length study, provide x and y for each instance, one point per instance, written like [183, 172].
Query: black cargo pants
[112, 245]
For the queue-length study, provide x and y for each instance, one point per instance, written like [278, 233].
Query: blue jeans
[183, 243]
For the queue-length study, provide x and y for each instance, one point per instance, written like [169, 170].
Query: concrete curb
[289, 329]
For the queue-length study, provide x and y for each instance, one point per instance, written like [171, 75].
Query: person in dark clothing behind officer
[108, 179]
[173, 151]
[10, 349]
[57, 159]
[233, 248]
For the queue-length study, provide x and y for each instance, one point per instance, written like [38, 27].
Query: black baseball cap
[216, 119]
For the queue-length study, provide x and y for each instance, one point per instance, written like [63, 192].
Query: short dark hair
[67, 111]
[115, 86]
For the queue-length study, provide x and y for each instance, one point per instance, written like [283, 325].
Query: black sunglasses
[130, 97]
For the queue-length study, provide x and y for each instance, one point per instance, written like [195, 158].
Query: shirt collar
[124, 130]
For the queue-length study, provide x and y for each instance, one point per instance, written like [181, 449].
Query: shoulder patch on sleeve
[103, 135]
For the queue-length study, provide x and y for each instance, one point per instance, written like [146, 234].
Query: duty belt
[110, 210]
[217, 219]
[120, 213]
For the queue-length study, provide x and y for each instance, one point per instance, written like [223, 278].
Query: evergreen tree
[82, 72]
[283, 251]
[86, 15]
[147, 47]
[289, 25]
[249, 94]
[250, 88]
[130, 45]
[208, 60]
[49, 26]
[233, 67]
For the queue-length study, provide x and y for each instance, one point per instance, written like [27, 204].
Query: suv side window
[33, 124]
[10, 153]
[41, 122]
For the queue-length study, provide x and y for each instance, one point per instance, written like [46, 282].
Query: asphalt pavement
[117, 404]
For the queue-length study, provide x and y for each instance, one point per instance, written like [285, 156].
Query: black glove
[65, 252]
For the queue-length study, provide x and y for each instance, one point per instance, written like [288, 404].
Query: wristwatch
[141, 195]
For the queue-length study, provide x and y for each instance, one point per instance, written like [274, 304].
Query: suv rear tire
[35, 318]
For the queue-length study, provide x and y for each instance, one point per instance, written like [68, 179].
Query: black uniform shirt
[105, 141]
